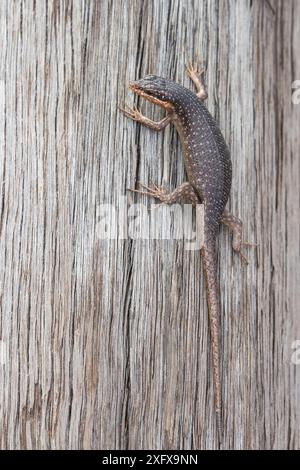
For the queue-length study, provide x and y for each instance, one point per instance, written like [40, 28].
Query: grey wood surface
[105, 343]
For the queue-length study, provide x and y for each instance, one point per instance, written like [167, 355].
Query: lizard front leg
[136, 115]
[198, 81]
[183, 193]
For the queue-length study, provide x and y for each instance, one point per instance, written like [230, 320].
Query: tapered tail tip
[219, 426]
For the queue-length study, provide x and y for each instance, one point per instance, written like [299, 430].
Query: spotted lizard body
[209, 171]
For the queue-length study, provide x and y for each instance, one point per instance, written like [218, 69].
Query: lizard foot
[237, 249]
[152, 191]
[132, 113]
[197, 78]
[136, 115]
[193, 73]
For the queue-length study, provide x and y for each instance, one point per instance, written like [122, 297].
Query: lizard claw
[193, 72]
[196, 77]
[132, 113]
[153, 191]
[244, 259]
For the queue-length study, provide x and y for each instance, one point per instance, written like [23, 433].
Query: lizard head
[154, 89]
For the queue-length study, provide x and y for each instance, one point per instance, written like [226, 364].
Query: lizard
[209, 170]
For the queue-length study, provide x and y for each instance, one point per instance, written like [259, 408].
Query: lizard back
[207, 158]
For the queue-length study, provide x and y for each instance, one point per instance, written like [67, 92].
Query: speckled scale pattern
[207, 158]
[209, 170]
[208, 165]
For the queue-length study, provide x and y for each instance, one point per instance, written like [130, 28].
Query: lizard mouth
[148, 95]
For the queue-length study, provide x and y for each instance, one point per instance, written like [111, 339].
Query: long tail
[211, 275]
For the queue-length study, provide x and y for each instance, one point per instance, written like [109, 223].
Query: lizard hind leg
[235, 225]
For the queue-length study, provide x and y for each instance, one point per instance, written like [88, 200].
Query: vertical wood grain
[105, 344]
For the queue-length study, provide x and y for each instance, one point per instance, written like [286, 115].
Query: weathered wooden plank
[105, 344]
